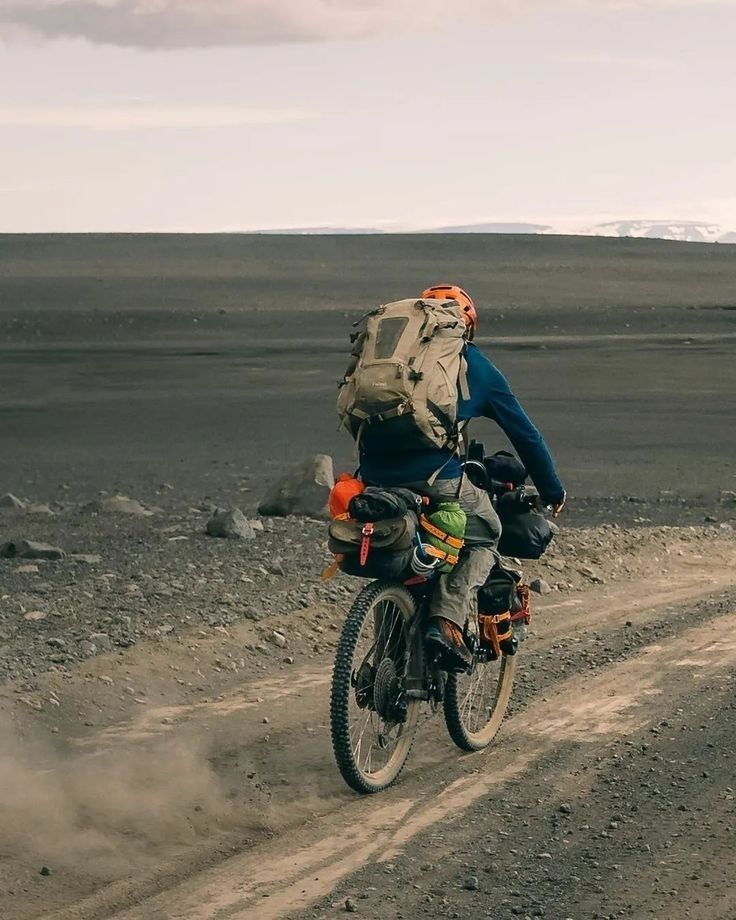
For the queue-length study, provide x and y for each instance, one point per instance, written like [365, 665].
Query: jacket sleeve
[503, 407]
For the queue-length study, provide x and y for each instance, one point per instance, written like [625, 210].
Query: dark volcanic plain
[126, 360]
[164, 725]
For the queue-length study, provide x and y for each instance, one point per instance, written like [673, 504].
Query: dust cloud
[107, 812]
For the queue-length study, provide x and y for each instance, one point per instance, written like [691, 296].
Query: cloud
[131, 117]
[623, 62]
[203, 23]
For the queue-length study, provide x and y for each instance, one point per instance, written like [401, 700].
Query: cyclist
[489, 397]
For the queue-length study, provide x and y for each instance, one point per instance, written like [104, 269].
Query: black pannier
[498, 594]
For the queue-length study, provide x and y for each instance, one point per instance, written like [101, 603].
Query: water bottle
[422, 564]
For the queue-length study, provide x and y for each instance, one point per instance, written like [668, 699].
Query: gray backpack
[401, 388]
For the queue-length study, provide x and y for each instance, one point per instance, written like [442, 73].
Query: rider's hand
[556, 509]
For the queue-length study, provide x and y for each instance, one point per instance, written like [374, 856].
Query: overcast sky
[246, 114]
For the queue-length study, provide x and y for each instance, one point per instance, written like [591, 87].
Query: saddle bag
[380, 549]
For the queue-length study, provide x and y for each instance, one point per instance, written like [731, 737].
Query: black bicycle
[382, 672]
[382, 676]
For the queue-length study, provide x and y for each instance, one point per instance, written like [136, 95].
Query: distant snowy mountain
[685, 231]
[492, 228]
[318, 231]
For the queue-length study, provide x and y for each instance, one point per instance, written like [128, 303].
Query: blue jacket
[490, 397]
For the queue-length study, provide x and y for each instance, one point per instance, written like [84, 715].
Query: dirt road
[608, 793]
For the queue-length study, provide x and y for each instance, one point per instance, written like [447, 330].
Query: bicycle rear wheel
[476, 702]
[372, 721]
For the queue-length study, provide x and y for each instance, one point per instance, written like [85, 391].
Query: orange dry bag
[344, 489]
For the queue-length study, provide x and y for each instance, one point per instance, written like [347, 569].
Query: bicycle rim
[476, 702]
[372, 722]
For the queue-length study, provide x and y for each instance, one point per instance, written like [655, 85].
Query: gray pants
[455, 593]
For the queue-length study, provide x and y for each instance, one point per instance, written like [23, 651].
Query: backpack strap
[462, 379]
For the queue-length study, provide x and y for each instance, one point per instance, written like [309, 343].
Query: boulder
[29, 549]
[117, 504]
[231, 524]
[304, 490]
[9, 502]
[540, 586]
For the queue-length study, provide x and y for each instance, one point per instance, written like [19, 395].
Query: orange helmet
[453, 292]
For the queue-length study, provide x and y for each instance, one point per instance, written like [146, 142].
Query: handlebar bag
[505, 467]
[525, 532]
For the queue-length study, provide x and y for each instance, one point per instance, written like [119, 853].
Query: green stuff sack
[444, 534]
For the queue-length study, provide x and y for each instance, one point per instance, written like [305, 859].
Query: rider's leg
[454, 594]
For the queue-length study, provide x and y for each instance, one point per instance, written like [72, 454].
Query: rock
[9, 502]
[87, 648]
[101, 640]
[45, 871]
[727, 497]
[29, 549]
[276, 567]
[118, 504]
[86, 558]
[591, 574]
[278, 639]
[54, 642]
[540, 586]
[29, 569]
[350, 906]
[303, 490]
[34, 615]
[39, 509]
[230, 524]
[565, 809]
[471, 883]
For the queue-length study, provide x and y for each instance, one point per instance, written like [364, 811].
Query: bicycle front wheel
[476, 702]
[372, 720]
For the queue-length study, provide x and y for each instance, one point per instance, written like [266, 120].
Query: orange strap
[331, 569]
[454, 542]
[438, 554]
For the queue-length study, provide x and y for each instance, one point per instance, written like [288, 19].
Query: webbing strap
[440, 534]
[438, 554]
